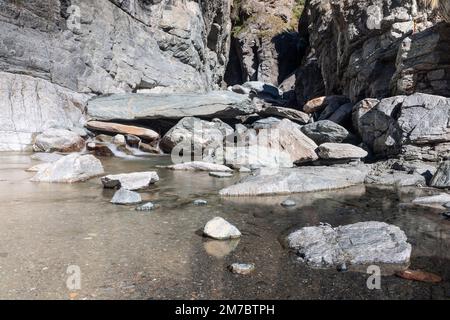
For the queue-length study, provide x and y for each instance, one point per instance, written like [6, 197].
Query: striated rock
[397, 178]
[69, 169]
[242, 268]
[143, 133]
[29, 106]
[220, 229]
[408, 125]
[199, 166]
[441, 178]
[214, 104]
[340, 151]
[194, 133]
[297, 180]
[131, 181]
[124, 197]
[325, 131]
[59, 140]
[362, 243]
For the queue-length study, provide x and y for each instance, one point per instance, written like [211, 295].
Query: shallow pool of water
[125, 254]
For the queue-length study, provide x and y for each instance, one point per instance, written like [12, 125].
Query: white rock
[124, 196]
[71, 168]
[131, 181]
[340, 151]
[200, 166]
[220, 229]
[58, 140]
[436, 199]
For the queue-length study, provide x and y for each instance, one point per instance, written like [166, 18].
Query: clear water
[125, 254]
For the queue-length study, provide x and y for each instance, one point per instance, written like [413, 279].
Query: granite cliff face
[56, 54]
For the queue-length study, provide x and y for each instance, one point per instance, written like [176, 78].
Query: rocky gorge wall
[55, 55]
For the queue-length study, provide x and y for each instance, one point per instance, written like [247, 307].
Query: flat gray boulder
[131, 181]
[362, 243]
[297, 180]
[214, 104]
[69, 169]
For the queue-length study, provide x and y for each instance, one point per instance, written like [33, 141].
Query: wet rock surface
[126, 197]
[131, 181]
[363, 243]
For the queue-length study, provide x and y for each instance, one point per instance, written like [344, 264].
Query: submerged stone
[124, 196]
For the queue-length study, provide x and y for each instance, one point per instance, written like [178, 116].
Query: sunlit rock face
[69, 48]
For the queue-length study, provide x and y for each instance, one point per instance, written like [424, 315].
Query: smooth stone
[60, 140]
[297, 180]
[71, 168]
[221, 174]
[340, 151]
[242, 268]
[124, 197]
[199, 166]
[200, 202]
[119, 140]
[220, 229]
[143, 133]
[149, 206]
[436, 199]
[361, 243]
[131, 181]
[288, 203]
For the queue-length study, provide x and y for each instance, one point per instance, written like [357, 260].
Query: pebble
[242, 268]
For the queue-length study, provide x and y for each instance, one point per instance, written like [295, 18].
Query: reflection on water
[122, 253]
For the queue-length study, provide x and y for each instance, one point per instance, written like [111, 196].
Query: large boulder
[415, 126]
[69, 169]
[131, 181]
[297, 180]
[214, 104]
[194, 133]
[363, 243]
[59, 140]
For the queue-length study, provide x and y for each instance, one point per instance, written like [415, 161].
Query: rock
[326, 105]
[214, 104]
[196, 133]
[326, 131]
[340, 151]
[408, 125]
[263, 88]
[29, 105]
[221, 174]
[133, 141]
[99, 149]
[149, 206]
[397, 178]
[220, 229]
[119, 140]
[315, 105]
[297, 180]
[124, 197]
[436, 199]
[360, 109]
[46, 157]
[288, 203]
[256, 156]
[144, 147]
[362, 243]
[59, 140]
[71, 168]
[104, 138]
[242, 268]
[333, 105]
[418, 275]
[446, 215]
[342, 115]
[265, 123]
[131, 181]
[240, 89]
[244, 170]
[199, 166]
[446, 205]
[200, 202]
[143, 133]
[286, 113]
[441, 178]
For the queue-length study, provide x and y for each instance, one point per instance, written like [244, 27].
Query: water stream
[125, 254]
